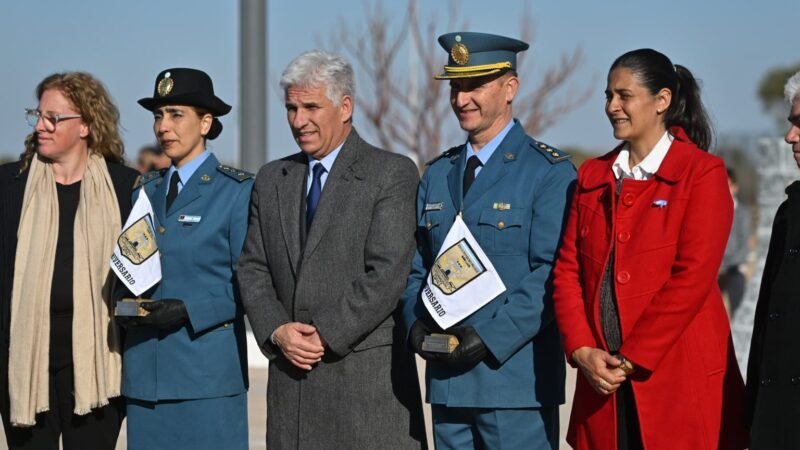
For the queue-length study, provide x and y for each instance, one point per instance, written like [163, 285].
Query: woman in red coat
[635, 289]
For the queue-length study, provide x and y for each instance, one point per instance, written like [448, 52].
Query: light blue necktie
[314, 194]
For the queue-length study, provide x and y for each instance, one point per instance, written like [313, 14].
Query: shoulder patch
[148, 177]
[237, 174]
[449, 153]
[553, 155]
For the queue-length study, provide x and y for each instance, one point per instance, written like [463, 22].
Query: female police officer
[184, 369]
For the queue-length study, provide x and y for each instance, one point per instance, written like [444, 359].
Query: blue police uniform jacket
[516, 209]
[200, 240]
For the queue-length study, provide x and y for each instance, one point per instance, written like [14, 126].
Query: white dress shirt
[646, 167]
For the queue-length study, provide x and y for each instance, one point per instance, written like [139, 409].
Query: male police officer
[501, 387]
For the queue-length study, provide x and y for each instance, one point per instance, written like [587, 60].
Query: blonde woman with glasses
[62, 206]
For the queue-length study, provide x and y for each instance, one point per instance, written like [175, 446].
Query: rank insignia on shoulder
[451, 153]
[148, 177]
[552, 154]
[237, 174]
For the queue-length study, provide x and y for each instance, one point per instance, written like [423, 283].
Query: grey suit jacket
[346, 278]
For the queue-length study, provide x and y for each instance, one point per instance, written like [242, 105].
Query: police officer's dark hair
[216, 125]
[655, 72]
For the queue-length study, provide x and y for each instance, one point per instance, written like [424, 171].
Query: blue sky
[727, 44]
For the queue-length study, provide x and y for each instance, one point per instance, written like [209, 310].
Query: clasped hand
[600, 368]
[300, 343]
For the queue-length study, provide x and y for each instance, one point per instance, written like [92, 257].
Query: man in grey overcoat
[328, 250]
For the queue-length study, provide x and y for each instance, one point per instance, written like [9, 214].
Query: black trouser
[629, 437]
[733, 282]
[97, 430]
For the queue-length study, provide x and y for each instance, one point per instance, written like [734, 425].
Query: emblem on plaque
[137, 242]
[455, 267]
[165, 85]
[460, 54]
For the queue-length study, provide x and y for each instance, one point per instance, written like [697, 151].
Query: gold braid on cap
[473, 71]
[459, 69]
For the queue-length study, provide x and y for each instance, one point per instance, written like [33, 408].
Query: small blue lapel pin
[660, 203]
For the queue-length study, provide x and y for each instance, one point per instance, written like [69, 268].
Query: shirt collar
[486, 152]
[646, 167]
[327, 161]
[187, 170]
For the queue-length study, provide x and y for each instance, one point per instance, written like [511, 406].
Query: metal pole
[253, 84]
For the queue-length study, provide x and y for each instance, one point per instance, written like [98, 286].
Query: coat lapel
[455, 178]
[159, 199]
[335, 192]
[191, 189]
[290, 203]
[676, 163]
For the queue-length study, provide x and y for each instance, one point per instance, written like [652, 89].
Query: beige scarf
[95, 337]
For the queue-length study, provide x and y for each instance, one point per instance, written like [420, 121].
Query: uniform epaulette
[553, 155]
[148, 177]
[449, 153]
[237, 174]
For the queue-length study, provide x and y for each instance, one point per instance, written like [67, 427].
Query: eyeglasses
[50, 121]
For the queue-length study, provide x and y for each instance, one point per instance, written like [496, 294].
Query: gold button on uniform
[162, 230]
[501, 225]
[429, 225]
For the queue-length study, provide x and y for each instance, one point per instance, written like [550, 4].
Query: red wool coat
[669, 233]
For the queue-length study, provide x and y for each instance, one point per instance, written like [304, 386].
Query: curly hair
[91, 99]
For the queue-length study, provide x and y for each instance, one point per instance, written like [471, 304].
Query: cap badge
[165, 85]
[460, 54]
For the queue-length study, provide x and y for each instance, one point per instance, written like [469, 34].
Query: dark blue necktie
[314, 193]
[469, 174]
[173, 188]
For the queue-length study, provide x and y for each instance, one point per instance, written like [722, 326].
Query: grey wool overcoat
[344, 276]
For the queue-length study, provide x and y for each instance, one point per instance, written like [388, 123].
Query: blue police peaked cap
[478, 54]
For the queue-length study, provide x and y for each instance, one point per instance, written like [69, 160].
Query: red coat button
[624, 236]
[623, 277]
[584, 231]
[628, 199]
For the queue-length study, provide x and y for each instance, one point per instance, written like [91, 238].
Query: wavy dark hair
[655, 72]
[93, 102]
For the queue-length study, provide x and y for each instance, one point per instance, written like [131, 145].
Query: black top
[61, 290]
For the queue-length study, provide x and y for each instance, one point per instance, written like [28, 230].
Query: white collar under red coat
[646, 167]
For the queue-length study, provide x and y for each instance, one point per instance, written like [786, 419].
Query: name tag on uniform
[434, 206]
[185, 218]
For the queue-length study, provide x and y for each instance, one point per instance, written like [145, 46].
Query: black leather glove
[417, 335]
[470, 351]
[127, 321]
[164, 314]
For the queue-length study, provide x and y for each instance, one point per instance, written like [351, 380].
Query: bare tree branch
[407, 110]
